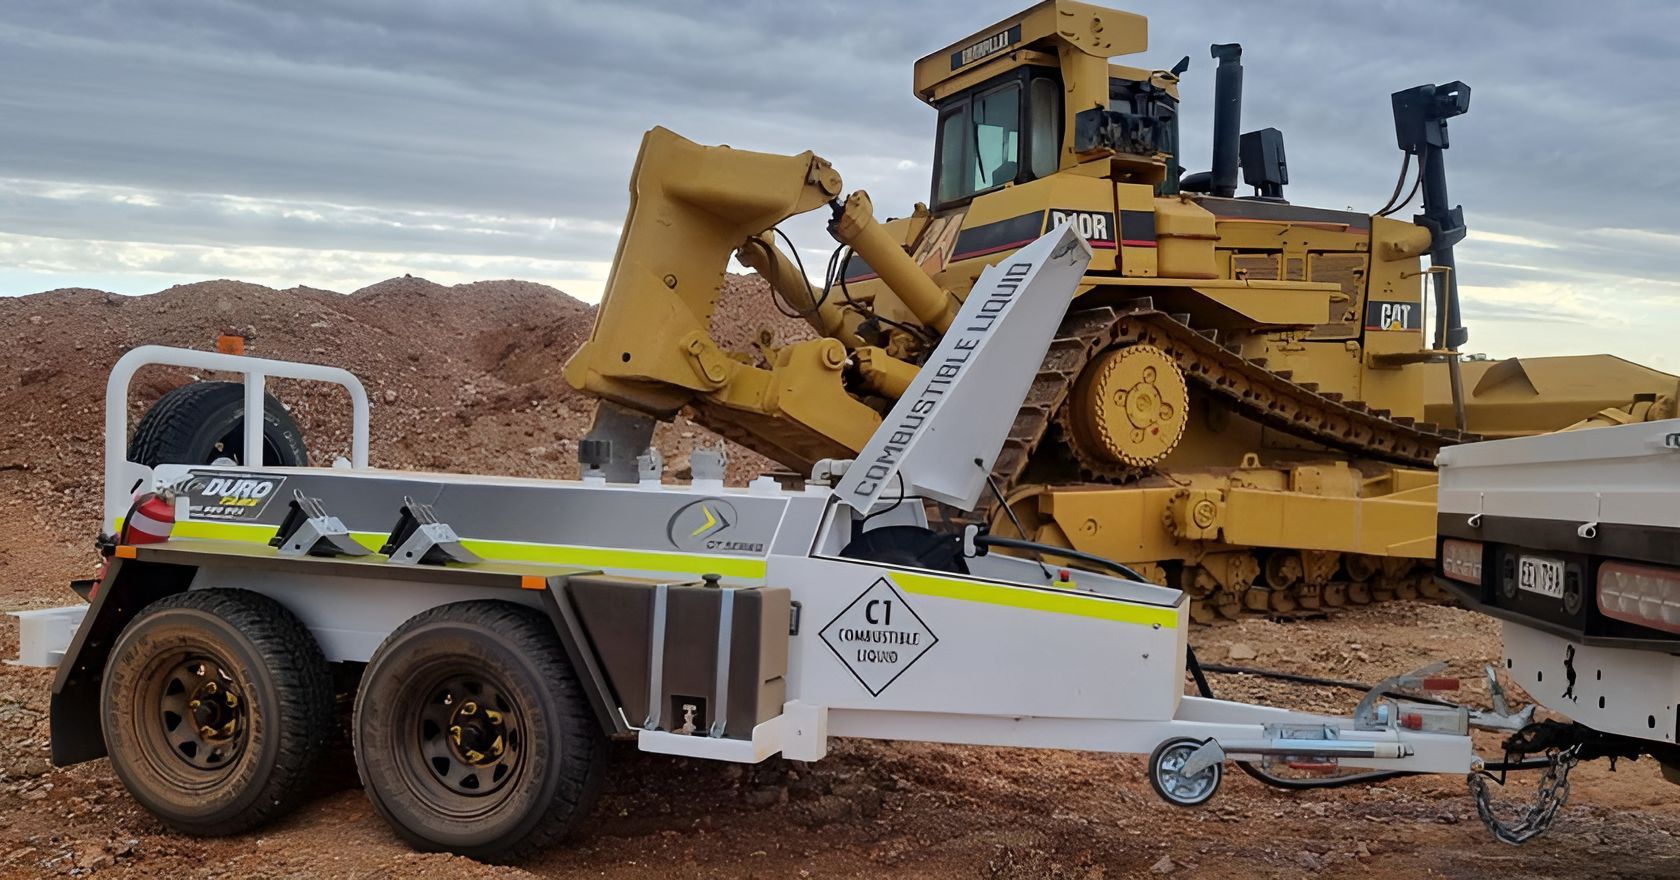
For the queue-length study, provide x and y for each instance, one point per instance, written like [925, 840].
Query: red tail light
[1642, 594]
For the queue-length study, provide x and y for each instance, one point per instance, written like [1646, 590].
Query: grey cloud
[1521, 312]
[526, 111]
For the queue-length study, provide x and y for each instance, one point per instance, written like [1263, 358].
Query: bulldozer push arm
[651, 350]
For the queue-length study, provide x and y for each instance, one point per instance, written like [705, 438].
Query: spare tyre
[204, 422]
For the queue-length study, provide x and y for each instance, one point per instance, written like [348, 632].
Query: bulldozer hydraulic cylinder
[761, 255]
[884, 374]
[855, 226]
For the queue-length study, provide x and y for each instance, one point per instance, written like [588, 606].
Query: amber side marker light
[1642, 594]
[1462, 560]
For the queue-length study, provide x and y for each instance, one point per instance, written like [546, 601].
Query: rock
[1240, 651]
[37, 374]
[849, 790]
[765, 797]
[32, 766]
[1164, 866]
[390, 395]
[826, 810]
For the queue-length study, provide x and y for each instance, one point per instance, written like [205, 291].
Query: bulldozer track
[1266, 396]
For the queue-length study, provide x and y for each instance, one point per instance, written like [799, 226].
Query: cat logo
[1381, 315]
[709, 525]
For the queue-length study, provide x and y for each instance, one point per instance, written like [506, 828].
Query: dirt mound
[464, 377]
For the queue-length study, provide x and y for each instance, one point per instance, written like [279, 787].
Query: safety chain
[1538, 817]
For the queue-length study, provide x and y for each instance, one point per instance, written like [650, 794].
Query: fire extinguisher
[150, 520]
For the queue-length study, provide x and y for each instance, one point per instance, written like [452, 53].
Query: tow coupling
[1187, 772]
[1554, 747]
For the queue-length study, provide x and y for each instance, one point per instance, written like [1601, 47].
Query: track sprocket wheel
[1129, 408]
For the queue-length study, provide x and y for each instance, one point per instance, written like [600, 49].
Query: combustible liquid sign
[877, 637]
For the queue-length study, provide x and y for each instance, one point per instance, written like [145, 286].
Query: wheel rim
[232, 446]
[194, 718]
[1176, 785]
[465, 738]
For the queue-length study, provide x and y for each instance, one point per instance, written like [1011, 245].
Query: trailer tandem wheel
[215, 706]
[473, 733]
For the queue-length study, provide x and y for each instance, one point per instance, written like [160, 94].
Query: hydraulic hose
[1065, 552]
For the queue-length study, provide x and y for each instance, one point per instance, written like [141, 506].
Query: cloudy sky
[334, 144]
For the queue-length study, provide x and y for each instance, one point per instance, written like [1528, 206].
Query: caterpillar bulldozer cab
[1236, 402]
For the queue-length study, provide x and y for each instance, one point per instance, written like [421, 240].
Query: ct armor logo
[709, 525]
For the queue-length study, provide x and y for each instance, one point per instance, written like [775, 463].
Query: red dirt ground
[467, 378]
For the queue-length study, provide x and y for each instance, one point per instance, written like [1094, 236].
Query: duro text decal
[229, 495]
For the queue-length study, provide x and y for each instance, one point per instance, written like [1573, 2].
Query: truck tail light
[1642, 594]
[1462, 560]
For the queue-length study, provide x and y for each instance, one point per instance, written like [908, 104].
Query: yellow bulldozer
[1245, 400]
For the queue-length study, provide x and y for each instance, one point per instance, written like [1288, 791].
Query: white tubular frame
[254, 370]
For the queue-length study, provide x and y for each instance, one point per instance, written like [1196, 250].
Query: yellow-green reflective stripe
[510, 551]
[1036, 600]
[216, 531]
[604, 557]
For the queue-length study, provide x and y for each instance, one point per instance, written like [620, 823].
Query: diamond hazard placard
[878, 636]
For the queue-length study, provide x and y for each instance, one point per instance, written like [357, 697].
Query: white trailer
[1572, 540]
[495, 631]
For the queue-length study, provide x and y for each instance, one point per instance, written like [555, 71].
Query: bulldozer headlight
[1642, 594]
[1462, 560]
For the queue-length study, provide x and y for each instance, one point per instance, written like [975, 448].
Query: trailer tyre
[203, 421]
[216, 705]
[473, 734]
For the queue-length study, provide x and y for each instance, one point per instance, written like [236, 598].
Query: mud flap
[129, 586]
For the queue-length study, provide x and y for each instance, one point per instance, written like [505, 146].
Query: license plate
[1538, 574]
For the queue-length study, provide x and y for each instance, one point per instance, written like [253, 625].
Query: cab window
[953, 143]
[979, 144]
[1044, 138]
[1007, 130]
[997, 138]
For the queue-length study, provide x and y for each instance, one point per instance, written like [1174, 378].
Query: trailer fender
[128, 586]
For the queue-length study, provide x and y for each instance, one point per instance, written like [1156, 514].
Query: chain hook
[1537, 818]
